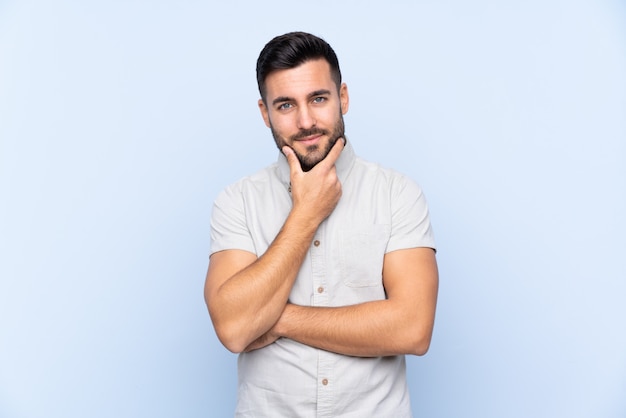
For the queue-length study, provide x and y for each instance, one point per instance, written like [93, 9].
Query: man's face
[304, 110]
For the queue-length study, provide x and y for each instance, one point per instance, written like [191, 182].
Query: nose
[306, 118]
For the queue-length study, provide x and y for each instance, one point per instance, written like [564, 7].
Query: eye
[319, 100]
[285, 106]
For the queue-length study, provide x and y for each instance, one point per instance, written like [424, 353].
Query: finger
[292, 160]
[334, 153]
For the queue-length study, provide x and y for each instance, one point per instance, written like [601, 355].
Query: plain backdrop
[120, 121]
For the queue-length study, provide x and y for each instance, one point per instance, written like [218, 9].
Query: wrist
[304, 222]
[281, 328]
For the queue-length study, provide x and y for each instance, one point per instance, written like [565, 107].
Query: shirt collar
[344, 165]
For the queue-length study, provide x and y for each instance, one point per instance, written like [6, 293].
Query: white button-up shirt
[379, 211]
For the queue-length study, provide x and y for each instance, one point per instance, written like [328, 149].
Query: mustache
[308, 132]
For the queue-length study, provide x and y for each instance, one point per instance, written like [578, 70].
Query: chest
[345, 259]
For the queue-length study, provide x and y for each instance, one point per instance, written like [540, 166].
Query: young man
[322, 271]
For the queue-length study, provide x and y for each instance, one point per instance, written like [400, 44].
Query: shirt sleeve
[410, 221]
[229, 229]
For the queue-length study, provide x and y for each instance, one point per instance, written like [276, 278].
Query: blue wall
[121, 121]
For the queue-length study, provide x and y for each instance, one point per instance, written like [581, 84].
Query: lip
[309, 140]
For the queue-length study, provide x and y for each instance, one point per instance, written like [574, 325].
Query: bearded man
[322, 272]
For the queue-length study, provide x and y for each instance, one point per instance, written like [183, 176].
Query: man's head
[302, 98]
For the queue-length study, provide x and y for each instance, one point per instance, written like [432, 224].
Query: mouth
[309, 140]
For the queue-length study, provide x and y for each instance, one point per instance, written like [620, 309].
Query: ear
[264, 113]
[344, 98]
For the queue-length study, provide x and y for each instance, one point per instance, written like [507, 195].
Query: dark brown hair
[291, 50]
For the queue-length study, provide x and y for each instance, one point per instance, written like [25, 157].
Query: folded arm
[246, 295]
[401, 324]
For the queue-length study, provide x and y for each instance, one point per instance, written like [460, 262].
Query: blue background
[120, 122]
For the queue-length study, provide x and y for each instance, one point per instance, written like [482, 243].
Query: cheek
[331, 114]
[282, 125]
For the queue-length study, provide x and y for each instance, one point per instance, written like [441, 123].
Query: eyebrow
[282, 99]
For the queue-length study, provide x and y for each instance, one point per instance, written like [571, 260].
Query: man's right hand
[315, 193]
[247, 295]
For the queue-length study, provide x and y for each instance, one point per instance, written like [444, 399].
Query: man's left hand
[263, 341]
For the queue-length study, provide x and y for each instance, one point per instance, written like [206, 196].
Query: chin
[314, 155]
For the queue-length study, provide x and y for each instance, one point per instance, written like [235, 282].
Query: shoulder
[257, 181]
[394, 181]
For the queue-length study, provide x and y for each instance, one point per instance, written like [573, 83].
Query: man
[322, 271]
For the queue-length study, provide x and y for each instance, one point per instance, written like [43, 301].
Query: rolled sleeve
[410, 219]
[229, 228]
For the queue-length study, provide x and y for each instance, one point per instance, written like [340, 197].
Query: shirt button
[320, 289]
[316, 243]
[324, 382]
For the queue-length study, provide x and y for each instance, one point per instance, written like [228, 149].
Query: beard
[314, 154]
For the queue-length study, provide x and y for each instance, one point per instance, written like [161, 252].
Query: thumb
[294, 164]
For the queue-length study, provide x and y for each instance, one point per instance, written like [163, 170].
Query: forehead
[308, 77]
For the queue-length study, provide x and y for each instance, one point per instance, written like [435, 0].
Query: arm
[246, 295]
[401, 324]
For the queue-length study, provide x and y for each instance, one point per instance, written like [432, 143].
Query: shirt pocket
[362, 250]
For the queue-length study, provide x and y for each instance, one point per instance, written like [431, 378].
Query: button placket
[325, 382]
[318, 268]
